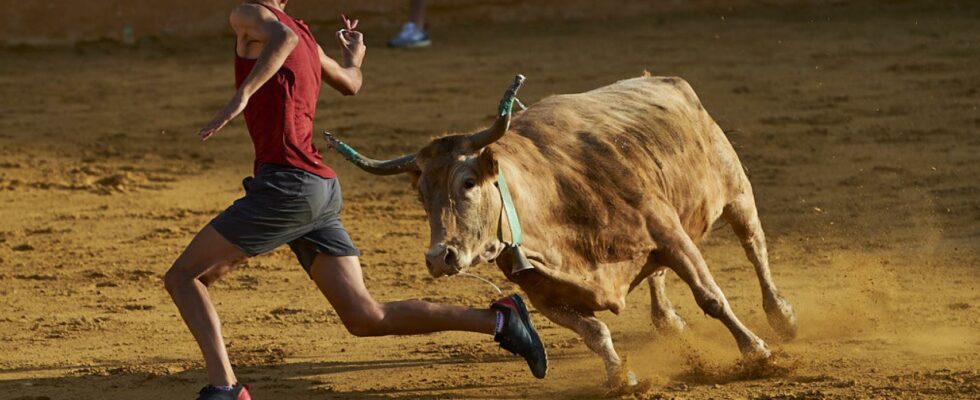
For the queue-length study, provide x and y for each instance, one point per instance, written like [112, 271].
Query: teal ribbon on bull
[519, 261]
[507, 102]
[348, 152]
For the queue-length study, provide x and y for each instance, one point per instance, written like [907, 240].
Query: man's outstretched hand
[352, 47]
[231, 110]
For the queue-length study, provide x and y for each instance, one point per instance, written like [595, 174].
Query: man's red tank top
[279, 115]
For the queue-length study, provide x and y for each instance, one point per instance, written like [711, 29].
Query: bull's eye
[469, 183]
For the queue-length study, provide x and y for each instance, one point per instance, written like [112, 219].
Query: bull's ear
[486, 164]
[415, 176]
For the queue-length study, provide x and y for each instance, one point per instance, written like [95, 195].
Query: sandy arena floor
[858, 125]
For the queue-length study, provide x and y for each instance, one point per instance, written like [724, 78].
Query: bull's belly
[589, 287]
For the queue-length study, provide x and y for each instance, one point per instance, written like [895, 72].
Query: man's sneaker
[518, 335]
[411, 36]
[239, 392]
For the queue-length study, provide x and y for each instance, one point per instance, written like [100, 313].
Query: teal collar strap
[519, 261]
[507, 202]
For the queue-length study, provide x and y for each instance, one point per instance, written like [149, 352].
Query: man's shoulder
[249, 13]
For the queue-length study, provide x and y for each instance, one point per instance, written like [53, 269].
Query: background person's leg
[417, 13]
[207, 258]
[341, 281]
[413, 33]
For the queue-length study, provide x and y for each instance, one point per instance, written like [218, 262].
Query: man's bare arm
[346, 78]
[254, 23]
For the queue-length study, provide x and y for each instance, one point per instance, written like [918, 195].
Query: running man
[295, 199]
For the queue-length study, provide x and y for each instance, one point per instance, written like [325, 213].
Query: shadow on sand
[425, 379]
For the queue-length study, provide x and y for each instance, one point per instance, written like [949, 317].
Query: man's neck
[270, 3]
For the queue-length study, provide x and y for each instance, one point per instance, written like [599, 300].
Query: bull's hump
[624, 100]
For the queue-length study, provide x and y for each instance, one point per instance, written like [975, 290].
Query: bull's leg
[662, 313]
[741, 214]
[679, 253]
[596, 335]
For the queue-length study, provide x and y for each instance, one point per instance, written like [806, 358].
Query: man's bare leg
[208, 257]
[341, 281]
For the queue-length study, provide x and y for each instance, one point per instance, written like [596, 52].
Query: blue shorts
[287, 205]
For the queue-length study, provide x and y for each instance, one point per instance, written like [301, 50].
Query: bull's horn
[484, 138]
[377, 167]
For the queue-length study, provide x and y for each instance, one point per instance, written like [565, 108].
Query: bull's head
[455, 177]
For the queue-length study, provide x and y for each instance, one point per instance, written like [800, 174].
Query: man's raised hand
[351, 43]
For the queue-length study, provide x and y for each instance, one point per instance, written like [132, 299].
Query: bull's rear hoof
[781, 318]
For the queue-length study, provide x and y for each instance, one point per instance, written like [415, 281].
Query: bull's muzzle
[443, 260]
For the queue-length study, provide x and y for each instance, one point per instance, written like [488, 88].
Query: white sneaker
[410, 37]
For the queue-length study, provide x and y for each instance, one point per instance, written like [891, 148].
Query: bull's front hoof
[631, 379]
[758, 353]
[625, 383]
[781, 317]
[669, 324]
[775, 365]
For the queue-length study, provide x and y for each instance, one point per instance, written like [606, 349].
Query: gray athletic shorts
[287, 205]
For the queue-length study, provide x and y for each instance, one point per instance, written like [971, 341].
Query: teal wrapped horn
[407, 163]
[377, 167]
[484, 138]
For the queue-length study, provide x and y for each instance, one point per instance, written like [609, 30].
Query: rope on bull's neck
[485, 280]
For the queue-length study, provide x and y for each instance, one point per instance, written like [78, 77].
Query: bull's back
[640, 140]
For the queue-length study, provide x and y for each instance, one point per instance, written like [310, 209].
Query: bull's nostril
[428, 264]
[451, 257]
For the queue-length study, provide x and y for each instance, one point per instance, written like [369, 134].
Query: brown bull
[612, 187]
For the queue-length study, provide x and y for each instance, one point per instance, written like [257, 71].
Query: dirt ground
[858, 125]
